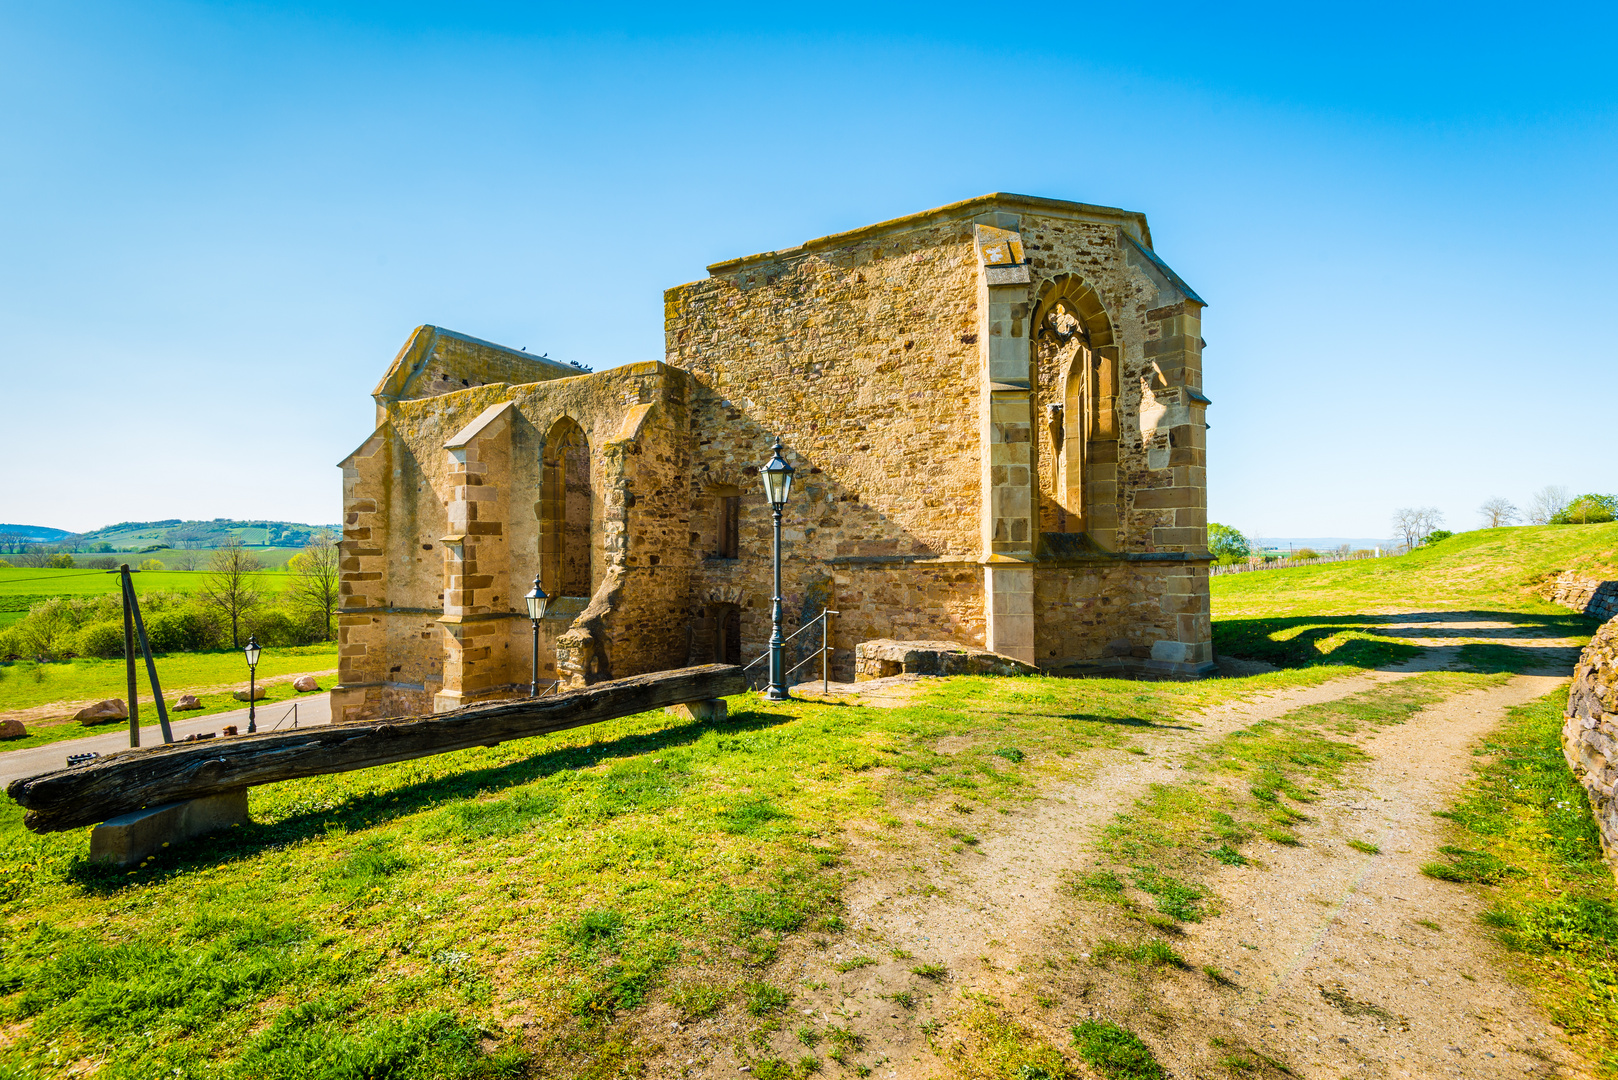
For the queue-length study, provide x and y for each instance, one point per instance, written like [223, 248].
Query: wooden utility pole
[135, 627]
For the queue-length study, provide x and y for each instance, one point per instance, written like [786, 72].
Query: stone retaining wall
[1588, 595]
[1590, 735]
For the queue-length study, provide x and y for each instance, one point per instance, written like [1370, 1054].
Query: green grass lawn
[24, 683]
[36, 585]
[412, 917]
[514, 910]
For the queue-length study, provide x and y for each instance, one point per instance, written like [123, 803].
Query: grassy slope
[1338, 613]
[1489, 569]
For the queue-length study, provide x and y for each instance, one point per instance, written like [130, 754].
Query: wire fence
[1287, 564]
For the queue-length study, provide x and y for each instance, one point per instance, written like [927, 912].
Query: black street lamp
[777, 476]
[251, 652]
[537, 600]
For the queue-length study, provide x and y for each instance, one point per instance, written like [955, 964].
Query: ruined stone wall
[1586, 595]
[864, 361]
[1590, 735]
[422, 626]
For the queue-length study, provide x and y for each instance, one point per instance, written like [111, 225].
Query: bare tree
[1547, 502]
[231, 587]
[1413, 524]
[314, 586]
[1498, 511]
[185, 559]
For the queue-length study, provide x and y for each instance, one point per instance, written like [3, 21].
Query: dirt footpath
[1330, 973]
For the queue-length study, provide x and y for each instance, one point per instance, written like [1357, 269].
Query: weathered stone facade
[1590, 735]
[996, 415]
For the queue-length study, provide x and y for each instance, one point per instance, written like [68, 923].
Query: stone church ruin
[996, 416]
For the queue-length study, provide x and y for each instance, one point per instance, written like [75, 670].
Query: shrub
[176, 631]
[1588, 510]
[100, 639]
[148, 564]
[275, 628]
[1436, 535]
[60, 561]
[48, 629]
[102, 562]
[1306, 553]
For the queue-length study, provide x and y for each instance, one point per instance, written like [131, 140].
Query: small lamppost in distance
[251, 652]
[777, 475]
[537, 600]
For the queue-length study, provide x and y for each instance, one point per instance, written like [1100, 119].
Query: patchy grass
[1115, 1052]
[992, 1046]
[1525, 831]
[1251, 784]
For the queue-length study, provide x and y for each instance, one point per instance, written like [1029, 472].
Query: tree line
[232, 602]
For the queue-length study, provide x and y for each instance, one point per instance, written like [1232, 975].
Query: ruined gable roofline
[419, 349]
[1132, 222]
[1174, 279]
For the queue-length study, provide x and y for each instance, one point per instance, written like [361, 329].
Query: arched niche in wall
[1074, 338]
[564, 510]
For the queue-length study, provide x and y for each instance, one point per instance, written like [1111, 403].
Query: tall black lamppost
[777, 476]
[251, 652]
[537, 600]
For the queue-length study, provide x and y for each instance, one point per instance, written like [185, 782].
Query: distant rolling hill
[34, 534]
[174, 533]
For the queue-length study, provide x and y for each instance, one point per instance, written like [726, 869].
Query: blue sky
[219, 222]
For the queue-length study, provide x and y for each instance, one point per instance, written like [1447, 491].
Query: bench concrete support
[128, 838]
[712, 709]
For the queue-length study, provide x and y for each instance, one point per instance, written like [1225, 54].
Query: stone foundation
[884, 657]
[1590, 735]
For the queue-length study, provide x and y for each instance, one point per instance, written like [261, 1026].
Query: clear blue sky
[219, 222]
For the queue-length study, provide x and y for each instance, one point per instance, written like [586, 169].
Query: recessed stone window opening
[564, 510]
[1075, 351]
[717, 514]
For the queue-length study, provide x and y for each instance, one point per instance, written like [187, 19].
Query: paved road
[313, 710]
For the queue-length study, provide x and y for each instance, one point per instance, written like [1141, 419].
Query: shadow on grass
[369, 809]
[1375, 641]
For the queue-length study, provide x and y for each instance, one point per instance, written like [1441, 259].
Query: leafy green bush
[1436, 535]
[1306, 553]
[100, 639]
[178, 631]
[1588, 510]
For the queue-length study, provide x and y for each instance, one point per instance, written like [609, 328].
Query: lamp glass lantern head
[537, 600]
[251, 650]
[777, 474]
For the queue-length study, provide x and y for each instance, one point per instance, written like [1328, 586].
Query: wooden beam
[132, 779]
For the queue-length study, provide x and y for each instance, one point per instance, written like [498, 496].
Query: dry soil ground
[1340, 964]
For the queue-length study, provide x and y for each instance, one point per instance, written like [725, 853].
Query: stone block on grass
[259, 694]
[187, 703]
[128, 838]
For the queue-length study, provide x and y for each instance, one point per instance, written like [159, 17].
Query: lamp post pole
[777, 475]
[536, 601]
[251, 652]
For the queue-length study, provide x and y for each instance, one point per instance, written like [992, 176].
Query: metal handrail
[806, 626]
[824, 650]
[292, 712]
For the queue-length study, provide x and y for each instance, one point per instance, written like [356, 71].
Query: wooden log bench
[144, 785]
